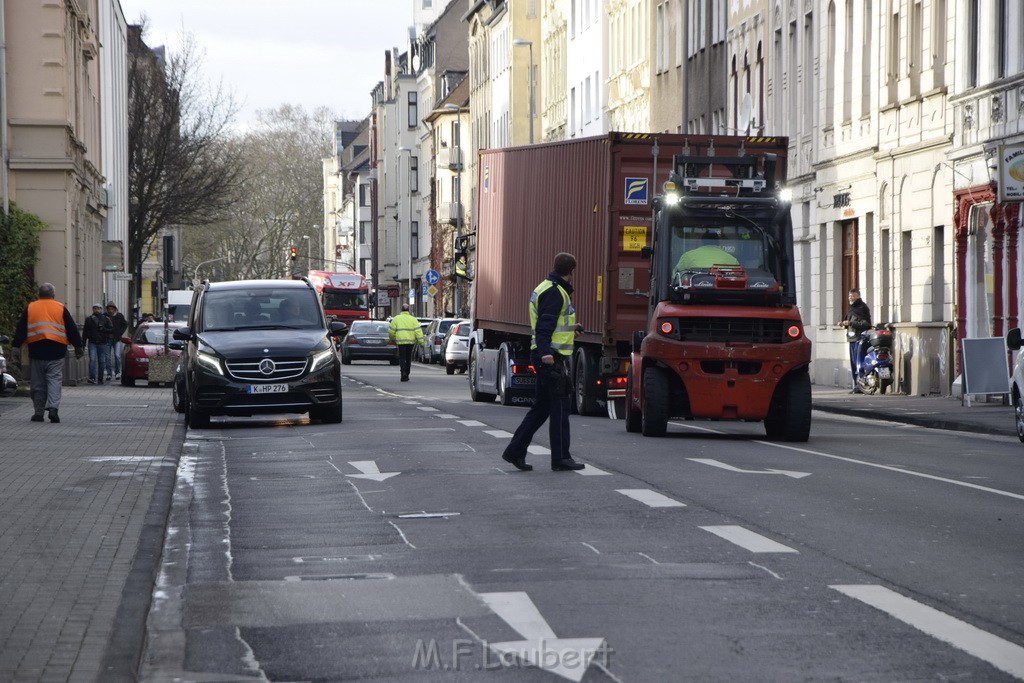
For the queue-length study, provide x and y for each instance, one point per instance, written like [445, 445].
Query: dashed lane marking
[745, 538]
[651, 498]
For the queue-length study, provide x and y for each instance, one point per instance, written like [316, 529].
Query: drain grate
[341, 577]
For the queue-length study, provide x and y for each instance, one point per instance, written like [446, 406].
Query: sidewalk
[83, 509]
[83, 505]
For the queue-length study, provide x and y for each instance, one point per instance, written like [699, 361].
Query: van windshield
[265, 308]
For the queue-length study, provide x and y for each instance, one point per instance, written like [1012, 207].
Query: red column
[962, 202]
[998, 232]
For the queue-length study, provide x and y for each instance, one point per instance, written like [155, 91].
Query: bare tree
[281, 197]
[182, 169]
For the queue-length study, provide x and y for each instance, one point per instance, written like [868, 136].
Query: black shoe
[567, 464]
[37, 418]
[518, 462]
[54, 417]
[405, 379]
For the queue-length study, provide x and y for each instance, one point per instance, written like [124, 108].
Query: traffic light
[293, 252]
[461, 244]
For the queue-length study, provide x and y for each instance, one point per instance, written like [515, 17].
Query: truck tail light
[519, 369]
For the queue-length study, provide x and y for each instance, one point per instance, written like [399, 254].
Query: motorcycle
[874, 372]
[8, 384]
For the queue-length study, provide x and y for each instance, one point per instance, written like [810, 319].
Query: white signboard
[1011, 173]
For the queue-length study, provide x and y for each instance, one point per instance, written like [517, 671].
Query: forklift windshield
[698, 248]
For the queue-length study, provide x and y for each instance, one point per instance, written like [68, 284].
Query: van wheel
[331, 415]
[197, 419]
[654, 417]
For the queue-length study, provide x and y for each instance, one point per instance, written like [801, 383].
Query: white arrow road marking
[745, 538]
[1000, 653]
[565, 657]
[369, 470]
[724, 466]
[651, 498]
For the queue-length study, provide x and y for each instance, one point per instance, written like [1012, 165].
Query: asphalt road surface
[399, 546]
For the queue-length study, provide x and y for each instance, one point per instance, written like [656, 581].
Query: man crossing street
[405, 331]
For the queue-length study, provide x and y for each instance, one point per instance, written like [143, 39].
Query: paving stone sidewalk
[83, 505]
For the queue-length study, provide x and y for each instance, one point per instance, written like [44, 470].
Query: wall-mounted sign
[1011, 173]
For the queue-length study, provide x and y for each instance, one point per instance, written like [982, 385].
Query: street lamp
[519, 42]
[401, 150]
[195, 273]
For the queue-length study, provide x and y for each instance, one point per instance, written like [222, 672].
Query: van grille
[251, 369]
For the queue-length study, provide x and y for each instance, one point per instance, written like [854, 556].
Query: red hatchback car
[148, 341]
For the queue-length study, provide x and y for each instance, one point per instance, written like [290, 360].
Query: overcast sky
[273, 52]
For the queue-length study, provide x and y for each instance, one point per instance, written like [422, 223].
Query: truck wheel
[583, 380]
[504, 395]
[633, 423]
[474, 390]
[654, 418]
[789, 418]
[346, 359]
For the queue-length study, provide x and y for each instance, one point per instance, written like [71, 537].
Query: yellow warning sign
[634, 237]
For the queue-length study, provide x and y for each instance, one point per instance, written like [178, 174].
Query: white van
[178, 303]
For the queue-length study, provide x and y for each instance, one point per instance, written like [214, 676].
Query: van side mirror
[339, 329]
[1013, 339]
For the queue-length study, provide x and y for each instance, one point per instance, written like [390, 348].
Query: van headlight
[320, 359]
[210, 361]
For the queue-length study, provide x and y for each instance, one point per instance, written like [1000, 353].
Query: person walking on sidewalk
[405, 331]
[858, 319]
[48, 328]
[120, 324]
[97, 331]
[553, 319]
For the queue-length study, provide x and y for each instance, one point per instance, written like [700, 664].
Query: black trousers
[551, 404]
[404, 359]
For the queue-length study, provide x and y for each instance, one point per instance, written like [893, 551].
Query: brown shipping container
[592, 198]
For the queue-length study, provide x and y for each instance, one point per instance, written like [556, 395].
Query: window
[364, 230]
[867, 42]
[849, 256]
[830, 66]
[414, 174]
[807, 70]
[938, 42]
[661, 40]
[848, 66]
[364, 194]
[971, 43]
[414, 239]
[413, 113]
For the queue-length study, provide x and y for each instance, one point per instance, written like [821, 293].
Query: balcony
[450, 158]
[449, 212]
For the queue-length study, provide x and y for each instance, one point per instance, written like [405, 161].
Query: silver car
[456, 347]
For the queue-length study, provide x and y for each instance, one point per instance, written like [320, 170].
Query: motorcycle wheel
[868, 385]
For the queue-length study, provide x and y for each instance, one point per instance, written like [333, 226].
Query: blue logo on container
[636, 190]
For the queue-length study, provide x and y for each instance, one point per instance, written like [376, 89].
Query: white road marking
[368, 470]
[901, 470]
[498, 433]
[1002, 654]
[402, 534]
[745, 538]
[651, 498]
[472, 423]
[565, 657]
[754, 564]
[592, 471]
[653, 561]
[411, 403]
[730, 468]
[428, 409]
[596, 551]
[447, 416]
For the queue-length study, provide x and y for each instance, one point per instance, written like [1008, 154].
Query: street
[399, 546]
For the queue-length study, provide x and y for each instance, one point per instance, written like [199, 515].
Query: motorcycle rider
[858, 319]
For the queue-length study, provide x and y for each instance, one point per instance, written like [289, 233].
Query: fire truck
[724, 339]
[344, 295]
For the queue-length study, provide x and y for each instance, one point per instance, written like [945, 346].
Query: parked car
[257, 347]
[368, 340]
[433, 339]
[417, 353]
[147, 342]
[456, 348]
[8, 385]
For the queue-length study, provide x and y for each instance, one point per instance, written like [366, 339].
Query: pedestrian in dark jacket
[48, 328]
[858, 319]
[120, 324]
[97, 332]
[553, 319]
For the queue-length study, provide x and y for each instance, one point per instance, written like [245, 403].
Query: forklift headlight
[666, 327]
[786, 195]
[793, 331]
